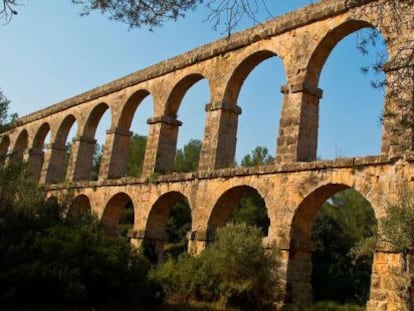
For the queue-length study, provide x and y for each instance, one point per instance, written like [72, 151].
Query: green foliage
[397, 228]
[235, 269]
[396, 231]
[49, 259]
[5, 117]
[136, 154]
[96, 161]
[342, 222]
[259, 156]
[126, 221]
[252, 211]
[139, 13]
[187, 158]
[178, 224]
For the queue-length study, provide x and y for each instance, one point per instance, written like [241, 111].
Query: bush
[235, 270]
[49, 259]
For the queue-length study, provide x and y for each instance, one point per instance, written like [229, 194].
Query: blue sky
[50, 53]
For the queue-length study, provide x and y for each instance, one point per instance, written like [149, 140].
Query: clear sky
[49, 53]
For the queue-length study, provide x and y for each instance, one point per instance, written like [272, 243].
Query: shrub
[49, 259]
[235, 269]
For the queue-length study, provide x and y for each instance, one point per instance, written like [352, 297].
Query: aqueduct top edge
[276, 26]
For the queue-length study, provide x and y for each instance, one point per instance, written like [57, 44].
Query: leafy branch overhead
[223, 15]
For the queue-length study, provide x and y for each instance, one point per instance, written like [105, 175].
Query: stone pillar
[398, 116]
[161, 145]
[299, 274]
[81, 155]
[220, 136]
[153, 245]
[197, 242]
[115, 153]
[387, 268]
[298, 129]
[35, 162]
[53, 164]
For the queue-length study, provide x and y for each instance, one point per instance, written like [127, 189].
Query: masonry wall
[293, 187]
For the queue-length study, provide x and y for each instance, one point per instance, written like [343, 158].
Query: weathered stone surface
[293, 188]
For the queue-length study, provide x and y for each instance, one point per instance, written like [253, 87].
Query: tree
[96, 162]
[49, 260]
[259, 156]
[343, 221]
[252, 211]
[234, 270]
[154, 13]
[5, 117]
[396, 231]
[186, 159]
[136, 154]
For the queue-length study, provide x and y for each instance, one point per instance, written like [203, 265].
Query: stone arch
[226, 204]
[80, 205]
[155, 230]
[63, 129]
[36, 153]
[325, 47]
[160, 211]
[178, 92]
[39, 139]
[81, 161]
[242, 71]
[93, 120]
[4, 147]
[20, 146]
[118, 139]
[113, 212]
[299, 269]
[56, 167]
[128, 110]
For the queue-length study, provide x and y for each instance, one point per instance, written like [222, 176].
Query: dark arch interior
[167, 227]
[328, 223]
[117, 215]
[241, 204]
[80, 205]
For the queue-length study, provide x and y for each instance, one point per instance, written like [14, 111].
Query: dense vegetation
[47, 258]
[234, 270]
[343, 221]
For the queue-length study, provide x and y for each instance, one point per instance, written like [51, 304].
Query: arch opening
[90, 150]
[20, 147]
[118, 216]
[80, 206]
[188, 99]
[167, 227]
[325, 228]
[241, 204]
[61, 150]
[37, 152]
[351, 108]
[254, 86]
[138, 109]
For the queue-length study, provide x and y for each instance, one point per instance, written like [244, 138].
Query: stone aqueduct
[293, 188]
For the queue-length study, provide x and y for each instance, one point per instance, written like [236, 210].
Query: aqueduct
[293, 188]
